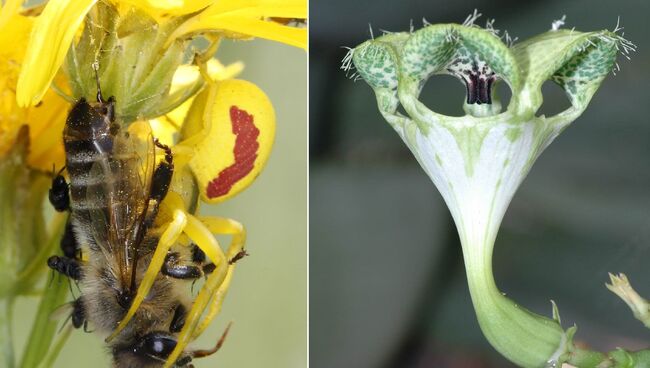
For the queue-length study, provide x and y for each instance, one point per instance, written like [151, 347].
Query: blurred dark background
[387, 283]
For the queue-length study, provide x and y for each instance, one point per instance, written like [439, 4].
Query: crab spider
[227, 137]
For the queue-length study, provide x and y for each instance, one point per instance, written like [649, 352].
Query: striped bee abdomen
[88, 139]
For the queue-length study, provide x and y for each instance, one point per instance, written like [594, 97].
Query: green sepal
[136, 62]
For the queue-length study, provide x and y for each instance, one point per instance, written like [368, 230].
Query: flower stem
[44, 328]
[523, 337]
[6, 335]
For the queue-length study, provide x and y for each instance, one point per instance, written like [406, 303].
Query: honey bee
[112, 248]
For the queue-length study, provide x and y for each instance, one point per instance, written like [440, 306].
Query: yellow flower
[57, 26]
[46, 149]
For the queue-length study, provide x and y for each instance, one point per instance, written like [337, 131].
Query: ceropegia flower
[478, 161]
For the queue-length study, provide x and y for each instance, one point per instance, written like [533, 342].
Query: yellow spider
[227, 137]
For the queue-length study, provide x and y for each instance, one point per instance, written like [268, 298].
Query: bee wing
[117, 228]
[61, 312]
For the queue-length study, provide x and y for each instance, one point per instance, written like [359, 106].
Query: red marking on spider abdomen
[245, 150]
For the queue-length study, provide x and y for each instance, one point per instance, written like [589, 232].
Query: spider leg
[173, 230]
[220, 225]
[199, 233]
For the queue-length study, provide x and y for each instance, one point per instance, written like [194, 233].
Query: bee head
[149, 350]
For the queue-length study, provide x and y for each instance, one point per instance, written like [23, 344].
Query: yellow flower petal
[234, 143]
[9, 9]
[45, 120]
[164, 130]
[237, 19]
[14, 32]
[259, 8]
[48, 44]
[169, 7]
[186, 75]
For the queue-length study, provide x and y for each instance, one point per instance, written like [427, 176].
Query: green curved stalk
[22, 236]
[6, 335]
[529, 340]
[44, 327]
[56, 349]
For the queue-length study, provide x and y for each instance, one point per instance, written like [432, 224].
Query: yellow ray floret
[48, 44]
[9, 10]
[162, 8]
[250, 18]
[46, 148]
[230, 129]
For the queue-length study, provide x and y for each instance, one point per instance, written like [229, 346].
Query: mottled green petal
[576, 61]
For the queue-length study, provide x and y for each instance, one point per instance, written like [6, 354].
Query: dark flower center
[478, 78]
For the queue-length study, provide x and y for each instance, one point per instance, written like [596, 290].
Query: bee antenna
[95, 66]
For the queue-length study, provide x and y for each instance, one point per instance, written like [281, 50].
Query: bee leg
[178, 320]
[160, 182]
[216, 286]
[184, 362]
[167, 239]
[199, 233]
[198, 256]
[78, 314]
[66, 266]
[59, 194]
[209, 268]
[162, 177]
[241, 254]
[173, 267]
[69, 245]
